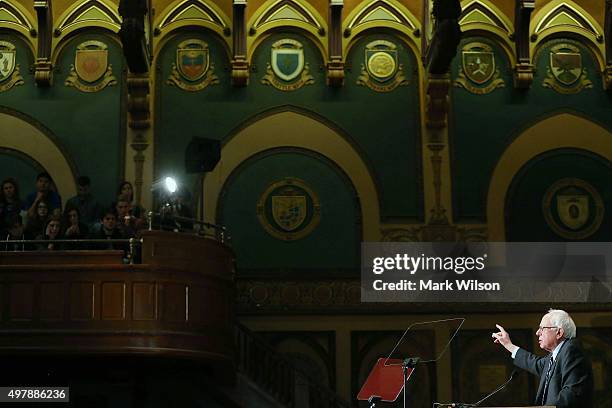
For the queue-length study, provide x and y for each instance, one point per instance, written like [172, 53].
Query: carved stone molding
[335, 73]
[43, 69]
[437, 89]
[335, 66]
[292, 295]
[523, 75]
[608, 78]
[138, 101]
[139, 121]
[408, 234]
[607, 74]
[438, 213]
[524, 70]
[240, 65]
[240, 72]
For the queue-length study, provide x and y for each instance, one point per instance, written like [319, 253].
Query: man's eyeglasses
[546, 327]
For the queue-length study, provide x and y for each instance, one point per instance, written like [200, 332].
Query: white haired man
[566, 376]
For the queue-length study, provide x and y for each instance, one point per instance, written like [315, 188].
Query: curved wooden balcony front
[176, 304]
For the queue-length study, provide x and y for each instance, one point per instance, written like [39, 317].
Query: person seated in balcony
[35, 224]
[15, 232]
[44, 191]
[87, 206]
[53, 230]
[75, 229]
[126, 222]
[109, 231]
[10, 203]
[126, 189]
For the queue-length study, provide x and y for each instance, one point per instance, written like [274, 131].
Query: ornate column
[335, 64]
[440, 40]
[240, 65]
[135, 37]
[524, 70]
[608, 41]
[43, 74]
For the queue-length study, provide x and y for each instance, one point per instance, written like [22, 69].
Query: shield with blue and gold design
[192, 59]
[7, 63]
[288, 209]
[287, 59]
[289, 212]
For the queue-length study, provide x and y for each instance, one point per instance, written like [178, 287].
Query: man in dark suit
[566, 376]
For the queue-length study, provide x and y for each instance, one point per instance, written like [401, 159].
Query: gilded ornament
[573, 208]
[565, 73]
[381, 70]
[91, 71]
[193, 71]
[287, 69]
[479, 73]
[9, 69]
[289, 209]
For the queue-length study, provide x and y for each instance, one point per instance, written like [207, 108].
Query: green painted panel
[334, 243]
[21, 168]
[88, 127]
[482, 126]
[526, 221]
[383, 127]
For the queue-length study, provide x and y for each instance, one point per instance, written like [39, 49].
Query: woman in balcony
[10, 202]
[53, 230]
[35, 225]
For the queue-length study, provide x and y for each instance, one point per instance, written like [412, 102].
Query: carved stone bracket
[335, 66]
[43, 74]
[524, 70]
[607, 74]
[438, 87]
[608, 77]
[140, 121]
[240, 65]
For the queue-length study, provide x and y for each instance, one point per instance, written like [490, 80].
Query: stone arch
[555, 132]
[278, 130]
[24, 134]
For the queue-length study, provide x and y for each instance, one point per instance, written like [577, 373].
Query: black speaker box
[202, 155]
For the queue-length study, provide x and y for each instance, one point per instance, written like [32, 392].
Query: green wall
[525, 217]
[334, 242]
[482, 126]
[383, 127]
[88, 127]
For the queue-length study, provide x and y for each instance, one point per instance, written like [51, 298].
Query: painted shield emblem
[289, 212]
[193, 62]
[573, 210]
[566, 66]
[381, 64]
[7, 64]
[91, 64]
[287, 63]
[479, 66]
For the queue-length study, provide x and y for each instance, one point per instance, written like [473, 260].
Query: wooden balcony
[177, 304]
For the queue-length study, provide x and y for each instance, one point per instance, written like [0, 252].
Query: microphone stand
[411, 363]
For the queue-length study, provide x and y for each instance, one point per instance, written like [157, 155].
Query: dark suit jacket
[571, 383]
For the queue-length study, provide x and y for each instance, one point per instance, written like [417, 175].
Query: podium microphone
[495, 391]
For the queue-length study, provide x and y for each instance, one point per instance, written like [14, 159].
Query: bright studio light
[170, 184]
